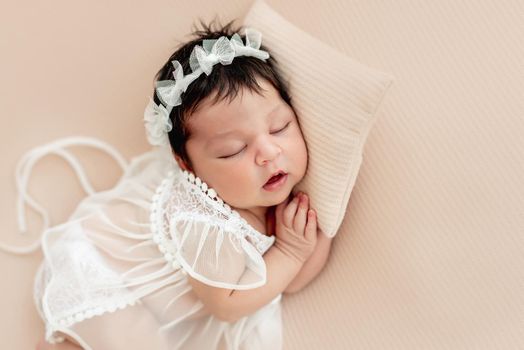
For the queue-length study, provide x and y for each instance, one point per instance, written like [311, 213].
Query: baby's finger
[311, 226]
[301, 217]
[289, 212]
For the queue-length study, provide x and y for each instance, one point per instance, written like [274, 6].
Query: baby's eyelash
[274, 132]
[231, 155]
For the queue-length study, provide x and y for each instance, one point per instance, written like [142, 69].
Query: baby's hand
[296, 228]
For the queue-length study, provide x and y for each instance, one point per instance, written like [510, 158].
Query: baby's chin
[264, 199]
[264, 203]
[280, 198]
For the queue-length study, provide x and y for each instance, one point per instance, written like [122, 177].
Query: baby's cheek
[302, 155]
[240, 182]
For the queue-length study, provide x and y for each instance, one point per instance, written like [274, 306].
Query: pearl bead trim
[89, 313]
[211, 193]
[164, 246]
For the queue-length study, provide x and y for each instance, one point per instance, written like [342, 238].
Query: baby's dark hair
[225, 80]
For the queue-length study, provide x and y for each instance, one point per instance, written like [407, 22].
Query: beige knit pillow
[335, 98]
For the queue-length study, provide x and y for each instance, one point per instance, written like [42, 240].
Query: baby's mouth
[275, 178]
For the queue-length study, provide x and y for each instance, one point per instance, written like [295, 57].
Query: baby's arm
[231, 304]
[296, 237]
[313, 265]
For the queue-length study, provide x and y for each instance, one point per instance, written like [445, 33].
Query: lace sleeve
[209, 240]
[217, 255]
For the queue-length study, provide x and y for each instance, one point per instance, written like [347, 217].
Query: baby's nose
[268, 153]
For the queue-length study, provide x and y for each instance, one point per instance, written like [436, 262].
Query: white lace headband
[201, 60]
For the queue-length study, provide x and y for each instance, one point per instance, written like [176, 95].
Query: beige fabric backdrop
[431, 252]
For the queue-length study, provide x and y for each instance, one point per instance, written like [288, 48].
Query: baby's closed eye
[234, 153]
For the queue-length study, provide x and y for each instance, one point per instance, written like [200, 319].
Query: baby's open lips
[275, 176]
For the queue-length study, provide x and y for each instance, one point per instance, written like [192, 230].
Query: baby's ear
[181, 162]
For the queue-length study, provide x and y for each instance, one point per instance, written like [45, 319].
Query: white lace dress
[114, 276]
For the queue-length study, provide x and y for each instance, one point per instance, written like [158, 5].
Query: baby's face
[236, 147]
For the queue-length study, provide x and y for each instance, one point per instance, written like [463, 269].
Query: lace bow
[201, 60]
[157, 123]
